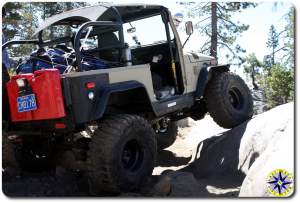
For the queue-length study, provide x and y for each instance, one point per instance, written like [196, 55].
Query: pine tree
[278, 77]
[252, 67]
[19, 23]
[279, 85]
[272, 43]
[22, 19]
[221, 31]
[11, 21]
[289, 56]
[282, 42]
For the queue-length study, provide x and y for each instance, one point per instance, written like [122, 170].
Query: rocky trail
[205, 161]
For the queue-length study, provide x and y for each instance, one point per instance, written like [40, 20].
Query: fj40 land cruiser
[123, 100]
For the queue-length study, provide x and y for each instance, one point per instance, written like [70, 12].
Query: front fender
[204, 76]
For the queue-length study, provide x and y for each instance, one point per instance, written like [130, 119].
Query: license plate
[26, 103]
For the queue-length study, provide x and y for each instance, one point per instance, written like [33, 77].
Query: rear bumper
[41, 127]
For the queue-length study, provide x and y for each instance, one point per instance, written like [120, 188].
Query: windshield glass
[147, 31]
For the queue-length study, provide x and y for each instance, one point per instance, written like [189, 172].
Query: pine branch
[283, 31]
[204, 27]
[223, 44]
[282, 48]
[205, 50]
[207, 42]
[199, 7]
[218, 8]
[206, 32]
[226, 9]
[202, 21]
[235, 25]
[287, 56]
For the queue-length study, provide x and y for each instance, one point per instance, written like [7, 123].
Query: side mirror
[131, 30]
[188, 30]
[189, 27]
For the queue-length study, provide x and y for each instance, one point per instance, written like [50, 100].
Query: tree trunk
[214, 30]
[273, 56]
[52, 10]
[255, 86]
[68, 28]
[44, 11]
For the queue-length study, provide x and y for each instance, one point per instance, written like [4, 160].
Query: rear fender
[125, 92]
[98, 106]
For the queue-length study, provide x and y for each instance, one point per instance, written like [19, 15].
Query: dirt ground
[179, 172]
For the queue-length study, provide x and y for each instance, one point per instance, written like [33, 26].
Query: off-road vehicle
[114, 99]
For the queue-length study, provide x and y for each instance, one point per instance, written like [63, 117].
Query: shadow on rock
[214, 170]
[217, 158]
[167, 158]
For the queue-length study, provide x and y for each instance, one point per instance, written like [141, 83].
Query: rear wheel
[122, 154]
[35, 156]
[229, 100]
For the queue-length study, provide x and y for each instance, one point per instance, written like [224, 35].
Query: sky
[260, 19]
[253, 40]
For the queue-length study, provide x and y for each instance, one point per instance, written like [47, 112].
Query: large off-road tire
[35, 157]
[5, 103]
[167, 137]
[229, 100]
[122, 154]
[8, 158]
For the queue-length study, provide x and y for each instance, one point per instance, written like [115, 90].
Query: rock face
[238, 148]
[186, 122]
[275, 147]
[259, 101]
[162, 187]
[184, 184]
[246, 154]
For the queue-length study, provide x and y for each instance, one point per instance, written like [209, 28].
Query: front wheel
[122, 154]
[229, 100]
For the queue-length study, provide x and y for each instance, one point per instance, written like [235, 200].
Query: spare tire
[228, 99]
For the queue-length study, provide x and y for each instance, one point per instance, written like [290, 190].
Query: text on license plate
[26, 103]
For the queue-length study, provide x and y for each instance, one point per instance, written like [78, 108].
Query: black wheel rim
[236, 98]
[132, 156]
[162, 127]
